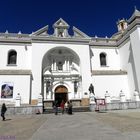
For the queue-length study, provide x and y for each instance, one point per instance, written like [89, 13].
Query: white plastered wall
[111, 83]
[127, 64]
[23, 56]
[112, 58]
[21, 84]
[135, 46]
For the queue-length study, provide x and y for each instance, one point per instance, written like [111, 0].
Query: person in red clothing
[62, 106]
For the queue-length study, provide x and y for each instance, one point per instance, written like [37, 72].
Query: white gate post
[136, 95]
[122, 96]
[18, 100]
[107, 97]
[40, 102]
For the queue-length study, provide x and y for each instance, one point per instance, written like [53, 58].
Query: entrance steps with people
[74, 109]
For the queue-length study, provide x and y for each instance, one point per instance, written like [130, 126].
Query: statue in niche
[75, 86]
[61, 33]
[91, 89]
[48, 86]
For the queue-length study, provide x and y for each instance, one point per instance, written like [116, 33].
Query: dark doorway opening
[59, 97]
[61, 93]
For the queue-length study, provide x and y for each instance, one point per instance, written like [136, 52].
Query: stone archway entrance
[61, 93]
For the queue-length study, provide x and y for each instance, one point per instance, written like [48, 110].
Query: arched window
[12, 57]
[102, 59]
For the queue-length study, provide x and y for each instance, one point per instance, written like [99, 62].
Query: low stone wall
[124, 105]
[48, 103]
[116, 106]
[76, 103]
[24, 110]
[39, 109]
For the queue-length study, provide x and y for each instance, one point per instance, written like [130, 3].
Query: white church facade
[62, 66]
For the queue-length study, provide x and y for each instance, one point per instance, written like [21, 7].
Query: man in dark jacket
[3, 110]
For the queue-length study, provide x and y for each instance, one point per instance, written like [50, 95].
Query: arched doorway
[61, 93]
[59, 65]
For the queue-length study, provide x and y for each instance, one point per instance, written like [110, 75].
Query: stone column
[107, 97]
[18, 100]
[55, 65]
[45, 96]
[136, 96]
[52, 66]
[64, 65]
[68, 65]
[122, 96]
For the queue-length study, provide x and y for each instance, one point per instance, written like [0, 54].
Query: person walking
[70, 107]
[3, 110]
[55, 107]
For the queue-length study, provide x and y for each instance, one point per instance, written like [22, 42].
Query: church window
[12, 57]
[102, 59]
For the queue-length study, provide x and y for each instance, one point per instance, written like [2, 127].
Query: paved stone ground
[20, 127]
[111, 125]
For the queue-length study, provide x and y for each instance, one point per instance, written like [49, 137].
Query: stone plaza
[109, 125]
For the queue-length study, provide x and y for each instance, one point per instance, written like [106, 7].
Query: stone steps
[74, 109]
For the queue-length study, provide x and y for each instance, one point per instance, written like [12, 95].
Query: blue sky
[93, 17]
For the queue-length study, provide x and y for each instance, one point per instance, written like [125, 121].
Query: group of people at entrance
[65, 107]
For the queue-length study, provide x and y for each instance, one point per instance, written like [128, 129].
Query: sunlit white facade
[62, 66]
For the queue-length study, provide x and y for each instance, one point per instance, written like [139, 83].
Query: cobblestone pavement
[111, 125]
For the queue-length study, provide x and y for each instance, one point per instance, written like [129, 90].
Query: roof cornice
[108, 72]
[70, 40]
[15, 72]
[13, 38]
